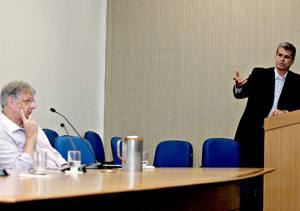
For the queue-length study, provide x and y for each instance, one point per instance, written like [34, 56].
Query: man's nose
[33, 105]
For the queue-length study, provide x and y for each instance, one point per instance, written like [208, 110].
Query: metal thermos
[132, 153]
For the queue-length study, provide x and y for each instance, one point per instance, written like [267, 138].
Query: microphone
[63, 126]
[54, 111]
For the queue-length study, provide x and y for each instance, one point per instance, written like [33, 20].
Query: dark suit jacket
[260, 93]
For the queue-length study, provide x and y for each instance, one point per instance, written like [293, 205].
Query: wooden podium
[282, 152]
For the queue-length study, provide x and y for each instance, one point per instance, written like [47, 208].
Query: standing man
[270, 92]
[20, 135]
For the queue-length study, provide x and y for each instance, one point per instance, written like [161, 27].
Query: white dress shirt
[12, 141]
[279, 83]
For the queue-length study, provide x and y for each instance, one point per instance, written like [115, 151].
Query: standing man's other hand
[277, 112]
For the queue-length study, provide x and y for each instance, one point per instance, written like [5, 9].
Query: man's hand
[239, 82]
[30, 129]
[277, 112]
[65, 167]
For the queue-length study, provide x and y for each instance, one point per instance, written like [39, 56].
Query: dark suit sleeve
[290, 95]
[248, 86]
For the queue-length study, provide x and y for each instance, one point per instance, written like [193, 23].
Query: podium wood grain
[282, 152]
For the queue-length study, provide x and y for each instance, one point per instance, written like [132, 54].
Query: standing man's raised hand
[239, 82]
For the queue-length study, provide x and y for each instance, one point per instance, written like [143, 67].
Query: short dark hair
[288, 47]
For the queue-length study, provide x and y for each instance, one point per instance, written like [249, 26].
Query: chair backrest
[220, 152]
[51, 135]
[114, 141]
[173, 153]
[65, 143]
[97, 145]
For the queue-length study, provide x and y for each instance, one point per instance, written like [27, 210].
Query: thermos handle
[119, 149]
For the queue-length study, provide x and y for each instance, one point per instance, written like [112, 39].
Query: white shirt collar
[277, 76]
[11, 126]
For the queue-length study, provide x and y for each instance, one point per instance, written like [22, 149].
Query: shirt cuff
[237, 90]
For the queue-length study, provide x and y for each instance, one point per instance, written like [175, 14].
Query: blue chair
[114, 141]
[65, 143]
[51, 135]
[173, 153]
[220, 152]
[97, 145]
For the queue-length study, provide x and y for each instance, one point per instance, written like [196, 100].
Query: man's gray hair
[288, 47]
[15, 88]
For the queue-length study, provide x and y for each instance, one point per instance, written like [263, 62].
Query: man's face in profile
[26, 102]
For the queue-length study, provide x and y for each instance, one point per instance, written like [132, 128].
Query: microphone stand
[53, 110]
[63, 126]
[65, 118]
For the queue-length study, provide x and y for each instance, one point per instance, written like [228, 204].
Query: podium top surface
[283, 120]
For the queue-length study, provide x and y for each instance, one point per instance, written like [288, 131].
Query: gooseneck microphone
[63, 126]
[53, 110]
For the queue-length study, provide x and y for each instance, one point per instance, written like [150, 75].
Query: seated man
[20, 135]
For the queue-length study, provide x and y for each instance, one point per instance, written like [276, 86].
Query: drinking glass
[39, 162]
[145, 159]
[74, 159]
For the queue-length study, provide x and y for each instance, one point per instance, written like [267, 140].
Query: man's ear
[10, 101]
